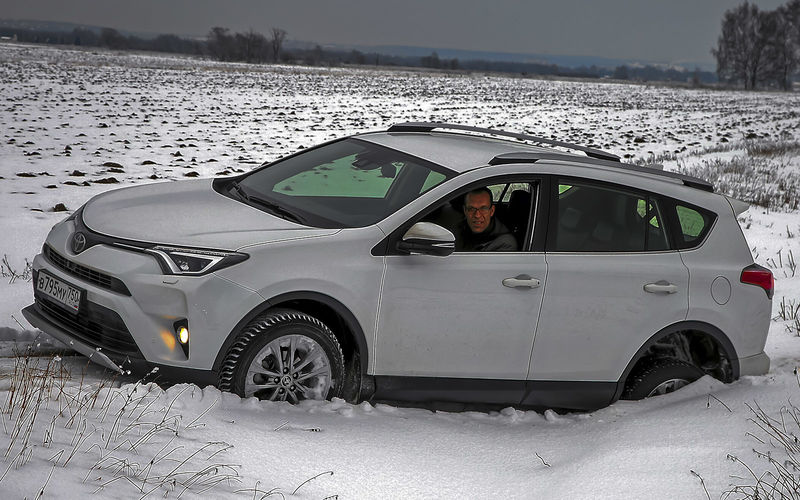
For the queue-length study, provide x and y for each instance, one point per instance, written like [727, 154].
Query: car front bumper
[41, 321]
[133, 327]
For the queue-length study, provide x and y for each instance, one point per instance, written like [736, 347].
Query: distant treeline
[759, 48]
[106, 37]
[253, 47]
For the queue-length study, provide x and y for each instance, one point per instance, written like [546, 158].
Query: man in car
[481, 231]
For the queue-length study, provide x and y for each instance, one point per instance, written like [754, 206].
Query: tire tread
[646, 372]
[261, 325]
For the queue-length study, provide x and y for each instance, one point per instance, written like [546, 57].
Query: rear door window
[592, 217]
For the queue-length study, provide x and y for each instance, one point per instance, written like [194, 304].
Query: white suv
[430, 262]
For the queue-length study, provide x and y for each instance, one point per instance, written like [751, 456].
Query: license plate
[59, 291]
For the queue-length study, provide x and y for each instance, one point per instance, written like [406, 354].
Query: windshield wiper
[272, 207]
[240, 191]
[276, 209]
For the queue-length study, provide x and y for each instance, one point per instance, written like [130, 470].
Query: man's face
[479, 211]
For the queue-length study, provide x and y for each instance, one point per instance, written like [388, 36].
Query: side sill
[569, 395]
[448, 390]
[534, 394]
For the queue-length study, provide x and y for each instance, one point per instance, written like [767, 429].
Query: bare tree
[251, 46]
[221, 44]
[82, 36]
[759, 47]
[112, 39]
[741, 46]
[791, 12]
[278, 36]
[356, 57]
[259, 46]
[431, 61]
[621, 73]
[780, 50]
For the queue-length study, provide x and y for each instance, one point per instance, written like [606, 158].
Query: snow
[136, 108]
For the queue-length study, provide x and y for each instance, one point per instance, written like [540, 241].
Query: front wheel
[284, 355]
[660, 377]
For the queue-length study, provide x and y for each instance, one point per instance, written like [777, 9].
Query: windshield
[347, 183]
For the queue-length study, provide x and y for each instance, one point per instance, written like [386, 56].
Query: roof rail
[429, 126]
[532, 157]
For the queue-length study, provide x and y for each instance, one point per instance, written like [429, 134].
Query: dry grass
[49, 415]
[760, 179]
[777, 436]
[12, 274]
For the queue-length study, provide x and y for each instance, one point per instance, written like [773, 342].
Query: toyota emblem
[78, 242]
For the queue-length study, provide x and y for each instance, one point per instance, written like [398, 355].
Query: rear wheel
[659, 377]
[284, 355]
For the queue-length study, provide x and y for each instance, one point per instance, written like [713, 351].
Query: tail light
[759, 276]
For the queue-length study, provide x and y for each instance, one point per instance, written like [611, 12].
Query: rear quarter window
[693, 225]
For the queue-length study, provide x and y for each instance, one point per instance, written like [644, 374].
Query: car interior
[512, 203]
[597, 219]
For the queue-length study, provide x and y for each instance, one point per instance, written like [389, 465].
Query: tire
[660, 376]
[259, 362]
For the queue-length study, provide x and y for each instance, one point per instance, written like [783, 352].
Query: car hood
[188, 213]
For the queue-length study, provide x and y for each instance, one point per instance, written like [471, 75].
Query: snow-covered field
[76, 123]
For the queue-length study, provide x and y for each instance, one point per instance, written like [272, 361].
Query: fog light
[183, 335]
[181, 329]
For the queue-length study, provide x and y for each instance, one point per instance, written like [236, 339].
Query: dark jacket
[496, 238]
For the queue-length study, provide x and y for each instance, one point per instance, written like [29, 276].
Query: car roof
[457, 152]
[460, 149]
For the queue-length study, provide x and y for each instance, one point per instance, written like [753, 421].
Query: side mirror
[427, 238]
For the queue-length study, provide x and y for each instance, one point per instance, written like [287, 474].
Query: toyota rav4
[341, 271]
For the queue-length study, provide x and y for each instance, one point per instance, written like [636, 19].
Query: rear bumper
[754, 365]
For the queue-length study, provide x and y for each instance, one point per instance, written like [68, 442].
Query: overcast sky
[678, 31]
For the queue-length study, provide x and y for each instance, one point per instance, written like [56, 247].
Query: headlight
[192, 261]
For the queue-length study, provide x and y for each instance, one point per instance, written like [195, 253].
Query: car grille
[95, 325]
[85, 273]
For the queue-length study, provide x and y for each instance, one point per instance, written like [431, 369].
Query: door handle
[522, 281]
[661, 286]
